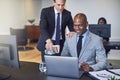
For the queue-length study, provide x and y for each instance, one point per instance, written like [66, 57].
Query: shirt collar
[85, 34]
[56, 11]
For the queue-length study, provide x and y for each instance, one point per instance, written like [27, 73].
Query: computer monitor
[102, 30]
[8, 51]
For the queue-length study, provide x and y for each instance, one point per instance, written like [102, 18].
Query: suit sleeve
[43, 26]
[70, 23]
[43, 31]
[101, 60]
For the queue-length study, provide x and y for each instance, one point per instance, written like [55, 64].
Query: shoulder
[47, 9]
[66, 11]
[94, 36]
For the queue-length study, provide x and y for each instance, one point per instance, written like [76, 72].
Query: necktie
[79, 45]
[57, 39]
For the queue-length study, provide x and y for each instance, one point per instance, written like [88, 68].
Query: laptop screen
[62, 66]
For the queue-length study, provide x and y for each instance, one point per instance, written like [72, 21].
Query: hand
[70, 34]
[86, 67]
[48, 44]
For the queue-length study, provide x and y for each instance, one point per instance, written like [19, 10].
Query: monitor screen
[8, 51]
[103, 30]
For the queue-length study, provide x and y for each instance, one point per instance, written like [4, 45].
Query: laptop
[62, 66]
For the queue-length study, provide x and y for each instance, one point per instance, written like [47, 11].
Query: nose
[60, 7]
[77, 27]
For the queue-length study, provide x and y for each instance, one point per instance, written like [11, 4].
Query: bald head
[81, 16]
[80, 23]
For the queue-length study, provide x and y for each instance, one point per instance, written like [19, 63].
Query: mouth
[78, 31]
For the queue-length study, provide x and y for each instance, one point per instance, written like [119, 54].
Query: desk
[30, 71]
[112, 45]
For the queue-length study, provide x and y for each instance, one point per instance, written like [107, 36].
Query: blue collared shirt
[84, 37]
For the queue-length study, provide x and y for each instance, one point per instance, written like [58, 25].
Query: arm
[101, 60]
[44, 30]
[70, 23]
[70, 26]
[43, 25]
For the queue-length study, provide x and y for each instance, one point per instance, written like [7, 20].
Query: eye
[58, 4]
[76, 25]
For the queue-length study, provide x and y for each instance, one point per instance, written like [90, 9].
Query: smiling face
[80, 23]
[59, 5]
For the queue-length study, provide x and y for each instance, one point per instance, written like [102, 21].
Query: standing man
[53, 22]
[85, 45]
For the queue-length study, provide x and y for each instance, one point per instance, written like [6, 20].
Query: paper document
[105, 75]
[117, 71]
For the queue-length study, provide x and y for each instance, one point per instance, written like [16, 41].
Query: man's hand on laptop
[86, 67]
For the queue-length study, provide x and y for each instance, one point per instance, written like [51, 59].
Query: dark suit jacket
[47, 25]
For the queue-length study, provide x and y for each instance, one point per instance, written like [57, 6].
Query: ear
[87, 23]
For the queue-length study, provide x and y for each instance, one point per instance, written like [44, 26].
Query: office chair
[21, 35]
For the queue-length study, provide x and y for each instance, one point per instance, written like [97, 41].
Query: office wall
[11, 15]
[99, 8]
[15, 13]
[32, 10]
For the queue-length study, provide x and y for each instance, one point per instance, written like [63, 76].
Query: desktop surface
[30, 71]
[112, 45]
